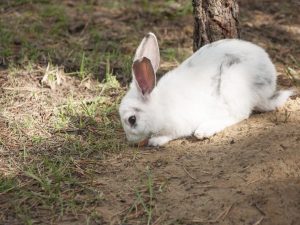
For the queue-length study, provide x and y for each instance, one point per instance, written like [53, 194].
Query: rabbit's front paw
[158, 141]
[205, 132]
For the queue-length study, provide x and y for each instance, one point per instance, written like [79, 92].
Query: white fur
[194, 100]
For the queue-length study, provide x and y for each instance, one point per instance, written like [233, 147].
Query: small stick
[189, 174]
[258, 209]
[253, 181]
[159, 218]
[208, 186]
[22, 89]
[222, 216]
[227, 211]
[241, 177]
[259, 221]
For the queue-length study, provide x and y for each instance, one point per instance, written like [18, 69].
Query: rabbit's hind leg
[210, 128]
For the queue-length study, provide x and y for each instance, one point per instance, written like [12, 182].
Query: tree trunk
[215, 20]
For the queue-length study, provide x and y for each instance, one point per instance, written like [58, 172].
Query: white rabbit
[218, 86]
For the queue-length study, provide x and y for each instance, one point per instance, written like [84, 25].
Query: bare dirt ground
[248, 174]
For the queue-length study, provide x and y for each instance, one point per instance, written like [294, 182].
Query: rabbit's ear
[149, 48]
[144, 75]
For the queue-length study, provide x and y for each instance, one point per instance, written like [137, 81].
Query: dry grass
[49, 139]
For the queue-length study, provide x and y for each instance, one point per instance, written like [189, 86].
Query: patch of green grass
[170, 9]
[42, 188]
[28, 121]
[47, 189]
[57, 17]
[49, 177]
[82, 72]
[27, 32]
[85, 6]
[6, 38]
[22, 2]
[43, 36]
[184, 9]
[116, 4]
[37, 139]
[145, 199]
[110, 79]
[54, 12]
[169, 54]
[7, 184]
[127, 67]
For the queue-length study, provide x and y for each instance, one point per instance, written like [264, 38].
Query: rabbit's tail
[276, 100]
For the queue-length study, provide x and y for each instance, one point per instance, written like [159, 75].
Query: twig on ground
[22, 89]
[259, 221]
[258, 209]
[189, 173]
[222, 216]
[253, 181]
[227, 211]
[159, 219]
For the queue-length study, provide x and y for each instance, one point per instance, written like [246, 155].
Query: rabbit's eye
[132, 120]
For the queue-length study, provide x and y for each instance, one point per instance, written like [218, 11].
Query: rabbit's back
[229, 59]
[222, 75]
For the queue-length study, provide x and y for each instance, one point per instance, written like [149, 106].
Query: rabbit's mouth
[143, 143]
[140, 143]
[135, 139]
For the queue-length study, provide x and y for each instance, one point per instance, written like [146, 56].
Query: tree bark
[215, 20]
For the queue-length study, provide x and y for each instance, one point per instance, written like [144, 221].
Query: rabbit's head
[135, 107]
